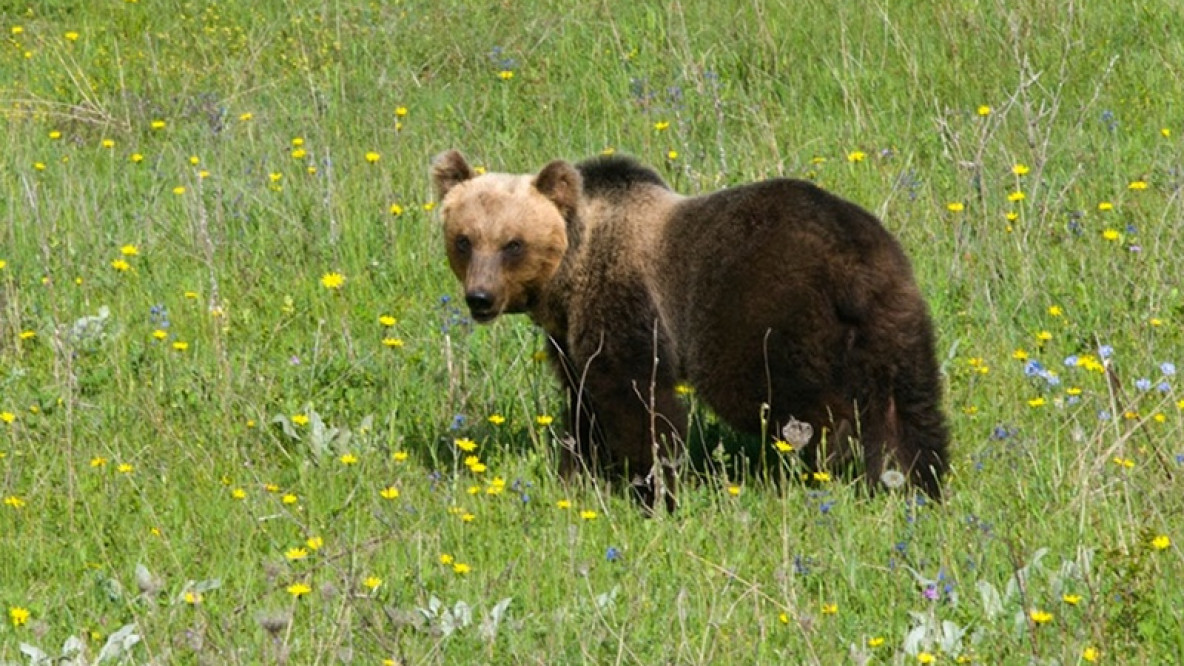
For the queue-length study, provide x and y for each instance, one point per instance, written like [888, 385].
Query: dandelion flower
[821, 477]
[1036, 402]
[129, 250]
[289, 499]
[783, 446]
[461, 568]
[387, 320]
[892, 478]
[588, 514]
[1016, 196]
[157, 124]
[505, 74]
[1020, 169]
[125, 468]
[314, 543]
[19, 616]
[955, 207]
[14, 502]
[3, 264]
[925, 657]
[544, 420]
[1040, 616]
[1091, 654]
[55, 135]
[238, 494]
[121, 265]
[180, 345]
[465, 444]
[300, 419]
[392, 342]
[563, 504]
[299, 589]
[856, 156]
[332, 280]
[372, 157]
[401, 111]
[830, 609]
[496, 419]
[396, 209]
[445, 559]
[7, 417]
[399, 456]
[984, 110]
[1055, 311]
[661, 125]
[1137, 185]
[98, 461]
[783, 618]
[875, 641]
[348, 459]
[246, 117]
[672, 155]
[179, 190]
[1161, 542]
[390, 493]
[1105, 206]
[1071, 599]
[477, 468]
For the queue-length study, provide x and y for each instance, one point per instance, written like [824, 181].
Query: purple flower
[930, 592]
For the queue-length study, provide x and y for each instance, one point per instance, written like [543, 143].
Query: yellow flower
[505, 75]
[856, 156]
[246, 117]
[107, 143]
[445, 559]
[298, 153]
[396, 209]
[875, 641]
[496, 419]
[925, 657]
[372, 157]
[461, 568]
[467, 517]
[1137, 185]
[401, 111]
[300, 419]
[672, 154]
[129, 250]
[289, 498]
[1165, 132]
[179, 190]
[1091, 654]
[1055, 311]
[372, 582]
[1071, 599]
[72, 36]
[588, 514]
[477, 468]
[390, 493]
[193, 598]
[830, 609]
[1073, 390]
[27, 335]
[1161, 542]
[429, 206]
[296, 553]
[1124, 462]
[314, 543]
[348, 459]
[544, 420]
[40, 166]
[1044, 336]
[783, 446]
[125, 468]
[661, 125]
[984, 110]
[157, 124]
[7, 417]
[98, 461]
[55, 135]
[392, 342]
[1020, 169]
[19, 616]
[3, 264]
[14, 502]
[473, 490]
[1039, 616]
[271, 487]
[180, 345]
[275, 176]
[332, 280]
[496, 486]
[608, 150]
[299, 589]
[238, 494]
[955, 207]
[1036, 402]
[682, 388]
[387, 320]
[1105, 206]
[1016, 196]
[160, 334]
[120, 265]
[399, 456]
[821, 477]
[563, 504]
[783, 618]
[465, 444]
[16, 30]
[194, 160]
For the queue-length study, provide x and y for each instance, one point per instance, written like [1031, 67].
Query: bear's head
[506, 234]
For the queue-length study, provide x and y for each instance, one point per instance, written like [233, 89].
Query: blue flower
[1105, 351]
[1164, 387]
[612, 554]
[1071, 361]
[1143, 384]
[1033, 368]
[1167, 368]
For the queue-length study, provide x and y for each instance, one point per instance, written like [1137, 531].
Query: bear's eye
[462, 244]
[513, 248]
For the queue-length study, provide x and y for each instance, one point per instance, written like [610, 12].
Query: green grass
[119, 452]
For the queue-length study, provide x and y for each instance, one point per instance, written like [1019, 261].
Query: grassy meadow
[239, 399]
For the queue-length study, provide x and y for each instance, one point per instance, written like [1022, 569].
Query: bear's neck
[550, 309]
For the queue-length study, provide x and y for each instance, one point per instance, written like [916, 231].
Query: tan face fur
[505, 234]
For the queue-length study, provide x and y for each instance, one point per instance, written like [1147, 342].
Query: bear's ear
[561, 183]
[449, 169]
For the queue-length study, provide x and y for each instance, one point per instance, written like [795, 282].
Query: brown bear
[778, 302]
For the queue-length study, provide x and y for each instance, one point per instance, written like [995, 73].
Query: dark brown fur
[775, 293]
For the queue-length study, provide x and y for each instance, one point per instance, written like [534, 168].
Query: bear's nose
[479, 301]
